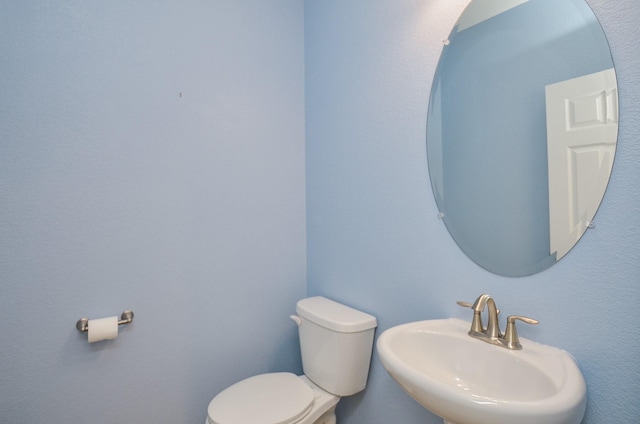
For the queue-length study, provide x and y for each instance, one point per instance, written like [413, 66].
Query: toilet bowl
[275, 398]
[336, 342]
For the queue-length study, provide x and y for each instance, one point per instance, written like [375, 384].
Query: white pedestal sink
[466, 381]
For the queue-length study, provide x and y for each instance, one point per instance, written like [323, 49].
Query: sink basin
[467, 381]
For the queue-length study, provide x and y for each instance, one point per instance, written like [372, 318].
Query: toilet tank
[336, 342]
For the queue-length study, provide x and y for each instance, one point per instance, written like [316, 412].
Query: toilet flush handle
[296, 319]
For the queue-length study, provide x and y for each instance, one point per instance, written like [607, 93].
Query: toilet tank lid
[335, 316]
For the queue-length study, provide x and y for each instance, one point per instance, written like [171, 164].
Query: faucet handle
[470, 305]
[511, 334]
[513, 318]
[476, 324]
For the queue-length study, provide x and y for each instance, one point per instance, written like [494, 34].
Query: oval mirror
[522, 130]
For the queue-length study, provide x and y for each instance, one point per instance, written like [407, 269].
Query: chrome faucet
[492, 334]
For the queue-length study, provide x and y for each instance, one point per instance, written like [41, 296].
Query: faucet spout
[493, 326]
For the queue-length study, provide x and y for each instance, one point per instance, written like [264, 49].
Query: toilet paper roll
[103, 329]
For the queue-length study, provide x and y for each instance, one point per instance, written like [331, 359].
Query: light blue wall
[116, 192]
[374, 241]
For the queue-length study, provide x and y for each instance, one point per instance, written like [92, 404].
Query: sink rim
[567, 403]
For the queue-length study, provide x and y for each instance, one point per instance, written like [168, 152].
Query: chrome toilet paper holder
[125, 318]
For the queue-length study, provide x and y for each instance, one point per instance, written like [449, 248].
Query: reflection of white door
[582, 126]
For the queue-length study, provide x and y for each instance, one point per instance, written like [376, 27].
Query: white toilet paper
[103, 329]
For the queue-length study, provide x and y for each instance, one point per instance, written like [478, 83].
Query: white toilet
[336, 343]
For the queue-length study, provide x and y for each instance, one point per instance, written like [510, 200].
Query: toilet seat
[275, 398]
